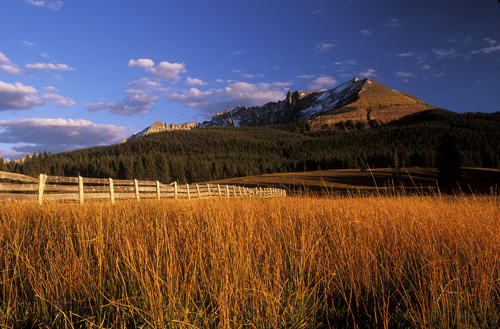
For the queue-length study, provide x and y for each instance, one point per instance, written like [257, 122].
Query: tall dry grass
[302, 262]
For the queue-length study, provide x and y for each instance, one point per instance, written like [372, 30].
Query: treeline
[219, 153]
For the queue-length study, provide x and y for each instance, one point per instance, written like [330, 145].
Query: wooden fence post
[227, 191]
[198, 191]
[80, 189]
[136, 186]
[158, 189]
[111, 191]
[175, 190]
[209, 192]
[188, 194]
[41, 186]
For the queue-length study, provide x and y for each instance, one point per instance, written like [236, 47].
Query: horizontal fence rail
[16, 187]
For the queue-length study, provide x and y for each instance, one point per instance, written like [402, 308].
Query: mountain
[360, 100]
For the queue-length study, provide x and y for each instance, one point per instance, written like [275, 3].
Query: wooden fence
[16, 187]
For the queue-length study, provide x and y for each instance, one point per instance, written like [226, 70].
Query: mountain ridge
[362, 100]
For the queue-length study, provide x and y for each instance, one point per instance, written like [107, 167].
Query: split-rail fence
[17, 187]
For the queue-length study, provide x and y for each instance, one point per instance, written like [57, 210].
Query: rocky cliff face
[356, 100]
[159, 126]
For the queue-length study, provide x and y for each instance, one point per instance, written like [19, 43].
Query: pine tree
[448, 159]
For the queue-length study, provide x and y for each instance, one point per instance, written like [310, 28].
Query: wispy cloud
[391, 22]
[323, 47]
[366, 32]
[408, 54]
[493, 47]
[53, 5]
[404, 75]
[28, 43]
[443, 53]
[347, 62]
[237, 52]
[306, 76]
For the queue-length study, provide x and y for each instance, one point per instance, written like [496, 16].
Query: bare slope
[374, 101]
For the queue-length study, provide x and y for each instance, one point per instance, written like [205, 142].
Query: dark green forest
[218, 153]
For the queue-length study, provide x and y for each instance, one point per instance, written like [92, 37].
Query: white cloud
[60, 101]
[323, 48]
[368, 73]
[142, 63]
[164, 70]
[189, 96]
[4, 59]
[195, 82]
[366, 32]
[235, 93]
[144, 86]
[322, 83]
[426, 67]
[10, 69]
[132, 104]
[49, 67]
[18, 96]
[55, 135]
[253, 94]
[53, 5]
[7, 67]
[140, 99]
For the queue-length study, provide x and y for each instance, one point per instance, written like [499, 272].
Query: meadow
[298, 262]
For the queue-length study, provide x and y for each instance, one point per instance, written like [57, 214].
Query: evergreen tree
[448, 158]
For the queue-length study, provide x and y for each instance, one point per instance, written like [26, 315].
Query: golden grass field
[413, 180]
[297, 262]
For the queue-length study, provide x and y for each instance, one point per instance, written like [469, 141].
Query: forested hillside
[217, 153]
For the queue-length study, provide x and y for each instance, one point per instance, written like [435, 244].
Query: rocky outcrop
[159, 126]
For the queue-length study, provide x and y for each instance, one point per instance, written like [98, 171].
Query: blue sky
[79, 73]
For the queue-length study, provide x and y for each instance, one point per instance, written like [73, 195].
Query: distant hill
[356, 101]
